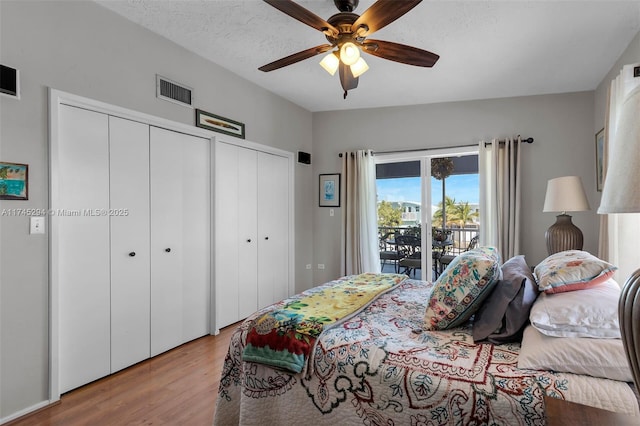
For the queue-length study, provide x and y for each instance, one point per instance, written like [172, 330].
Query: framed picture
[330, 190]
[206, 120]
[599, 159]
[14, 181]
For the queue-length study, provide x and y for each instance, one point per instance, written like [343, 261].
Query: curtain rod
[526, 140]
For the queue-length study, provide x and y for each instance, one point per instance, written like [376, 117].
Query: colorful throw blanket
[286, 336]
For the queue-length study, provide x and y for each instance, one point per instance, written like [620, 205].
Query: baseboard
[27, 411]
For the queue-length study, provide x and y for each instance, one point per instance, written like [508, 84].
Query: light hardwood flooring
[178, 387]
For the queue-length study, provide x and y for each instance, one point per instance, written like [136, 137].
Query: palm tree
[462, 213]
[441, 169]
[449, 210]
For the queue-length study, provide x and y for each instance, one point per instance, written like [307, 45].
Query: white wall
[562, 126]
[82, 48]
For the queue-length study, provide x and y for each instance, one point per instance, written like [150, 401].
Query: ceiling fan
[347, 32]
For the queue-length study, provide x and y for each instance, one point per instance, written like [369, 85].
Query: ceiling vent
[173, 92]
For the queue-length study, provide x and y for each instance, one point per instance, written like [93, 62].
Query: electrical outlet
[36, 225]
[308, 266]
[320, 265]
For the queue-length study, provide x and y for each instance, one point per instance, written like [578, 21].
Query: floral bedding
[380, 367]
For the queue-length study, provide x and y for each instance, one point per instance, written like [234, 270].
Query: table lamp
[621, 194]
[564, 194]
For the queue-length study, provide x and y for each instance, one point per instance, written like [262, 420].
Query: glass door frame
[425, 156]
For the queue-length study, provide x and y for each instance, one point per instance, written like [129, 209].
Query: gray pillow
[505, 312]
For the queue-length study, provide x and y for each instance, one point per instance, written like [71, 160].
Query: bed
[380, 366]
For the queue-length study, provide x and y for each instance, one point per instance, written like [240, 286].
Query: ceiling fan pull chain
[345, 95]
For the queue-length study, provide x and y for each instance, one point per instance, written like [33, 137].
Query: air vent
[172, 91]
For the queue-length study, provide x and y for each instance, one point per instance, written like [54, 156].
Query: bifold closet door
[81, 192]
[129, 216]
[236, 233]
[273, 228]
[180, 238]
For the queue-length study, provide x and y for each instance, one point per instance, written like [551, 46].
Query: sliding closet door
[273, 228]
[130, 275]
[79, 194]
[180, 238]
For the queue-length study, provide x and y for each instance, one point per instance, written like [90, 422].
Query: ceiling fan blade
[347, 80]
[303, 15]
[381, 14]
[296, 57]
[400, 53]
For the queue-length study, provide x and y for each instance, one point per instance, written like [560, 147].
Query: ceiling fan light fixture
[359, 68]
[349, 53]
[330, 63]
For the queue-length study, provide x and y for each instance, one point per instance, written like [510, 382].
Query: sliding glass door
[431, 196]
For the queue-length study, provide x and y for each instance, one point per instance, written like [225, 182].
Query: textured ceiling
[488, 49]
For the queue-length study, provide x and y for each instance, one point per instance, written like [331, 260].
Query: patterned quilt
[380, 368]
[285, 337]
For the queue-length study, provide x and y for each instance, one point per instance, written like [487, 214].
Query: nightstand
[566, 413]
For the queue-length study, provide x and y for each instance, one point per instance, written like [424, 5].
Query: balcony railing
[460, 237]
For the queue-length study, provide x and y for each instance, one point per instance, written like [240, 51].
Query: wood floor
[178, 387]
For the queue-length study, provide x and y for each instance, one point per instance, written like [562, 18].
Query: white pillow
[591, 312]
[594, 357]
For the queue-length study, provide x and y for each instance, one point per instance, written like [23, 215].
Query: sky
[461, 187]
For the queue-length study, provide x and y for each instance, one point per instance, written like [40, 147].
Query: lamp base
[563, 235]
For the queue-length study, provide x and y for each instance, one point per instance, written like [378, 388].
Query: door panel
[83, 249]
[180, 233]
[248, 234]
[130, 240]
[273, 228]
[227, 243]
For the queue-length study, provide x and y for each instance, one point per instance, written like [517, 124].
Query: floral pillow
[462, 287]
[571, 270]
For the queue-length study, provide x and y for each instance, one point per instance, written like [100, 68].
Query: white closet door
[227, 247]
[247, 232]
[82, 193]
[180, 238]
[236, 222]
[130, 275]
[273, 228]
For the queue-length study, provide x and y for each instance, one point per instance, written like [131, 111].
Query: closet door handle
[168, 250]
[248, 240]
[266, 238]
[133, 253]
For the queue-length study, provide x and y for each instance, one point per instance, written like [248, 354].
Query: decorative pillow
[595, 357]
[504, 313]
[460, 289]
[592, 312]
[571, 270]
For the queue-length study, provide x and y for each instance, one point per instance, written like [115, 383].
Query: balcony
[457, 241]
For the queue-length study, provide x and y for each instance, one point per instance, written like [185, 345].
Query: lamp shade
[565, 194]
[349, 53]
[621, 191]
[330, 63]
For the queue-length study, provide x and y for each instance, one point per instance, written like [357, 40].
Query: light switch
[37, 225]
[331, 212]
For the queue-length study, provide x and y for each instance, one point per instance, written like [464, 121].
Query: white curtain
[499, 166]
[619, 233]
[359, 213]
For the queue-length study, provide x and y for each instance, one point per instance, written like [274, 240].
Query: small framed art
[14, 181]
[330, 190]
[599, 159]
[209, 121]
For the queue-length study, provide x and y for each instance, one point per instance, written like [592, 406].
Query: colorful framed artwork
[330, 190]
[599, 160]
[14, 181]
[209, 121]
